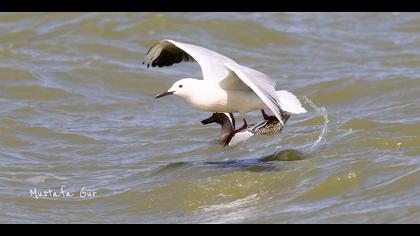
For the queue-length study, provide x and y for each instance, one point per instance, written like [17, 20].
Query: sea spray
[323, 134]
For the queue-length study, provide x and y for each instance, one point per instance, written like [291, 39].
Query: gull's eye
[180, 86]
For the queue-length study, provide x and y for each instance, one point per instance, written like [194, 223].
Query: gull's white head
[183, 88]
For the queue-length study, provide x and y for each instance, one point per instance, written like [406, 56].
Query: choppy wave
[78, 109]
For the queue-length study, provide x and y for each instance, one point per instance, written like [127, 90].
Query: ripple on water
[43, 133]
[78, 109]
[57, 135]
[36, 92]
[10, 75]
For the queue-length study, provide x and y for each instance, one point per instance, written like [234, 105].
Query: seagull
[226, 86]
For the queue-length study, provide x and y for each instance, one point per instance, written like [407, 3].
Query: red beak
[164, 94]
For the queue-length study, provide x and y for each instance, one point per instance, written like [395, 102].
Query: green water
[78, 109]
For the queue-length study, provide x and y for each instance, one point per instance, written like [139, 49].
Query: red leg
[265, 116]
[245, 126]
[269, 118]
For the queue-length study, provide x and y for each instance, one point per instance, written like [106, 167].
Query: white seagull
[226, 86]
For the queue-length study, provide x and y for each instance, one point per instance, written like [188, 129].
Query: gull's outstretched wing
[264, 87]
[169, 52]
[223, 70]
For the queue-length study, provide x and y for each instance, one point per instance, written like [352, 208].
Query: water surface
[78, 109]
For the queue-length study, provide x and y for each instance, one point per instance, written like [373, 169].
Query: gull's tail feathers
[289, 102]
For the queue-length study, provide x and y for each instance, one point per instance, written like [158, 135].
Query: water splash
[322, 111]
[323, 135]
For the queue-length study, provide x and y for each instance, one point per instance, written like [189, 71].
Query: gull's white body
[226, 86]
[207, 96]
